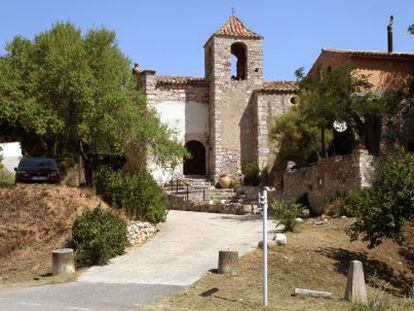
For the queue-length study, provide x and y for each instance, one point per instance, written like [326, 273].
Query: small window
[294, 100]
[238, 61]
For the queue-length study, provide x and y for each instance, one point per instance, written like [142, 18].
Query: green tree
[342, 95]
[299, 139]
[383, 210]
[70, 95]
[1, 159]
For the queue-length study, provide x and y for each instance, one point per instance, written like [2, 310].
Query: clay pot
[224, 181]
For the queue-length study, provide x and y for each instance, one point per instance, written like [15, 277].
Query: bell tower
[233, 67]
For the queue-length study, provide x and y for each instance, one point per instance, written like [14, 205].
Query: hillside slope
[34, 219]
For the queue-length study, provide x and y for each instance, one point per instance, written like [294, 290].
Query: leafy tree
[384, 209]
[70, 95]
[299, 139]
[342, 95]
[411, 29]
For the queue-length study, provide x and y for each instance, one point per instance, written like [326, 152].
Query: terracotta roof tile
[375, 54]
[279, 86]
[234, 27]
[181, 80]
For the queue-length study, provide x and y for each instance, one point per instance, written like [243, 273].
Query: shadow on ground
[377, 273]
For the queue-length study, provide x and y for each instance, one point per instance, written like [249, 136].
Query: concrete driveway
[185, 248]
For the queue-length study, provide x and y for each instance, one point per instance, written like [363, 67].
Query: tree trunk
[323, 142]
[88, 172]
[228, 261]
[372, 139]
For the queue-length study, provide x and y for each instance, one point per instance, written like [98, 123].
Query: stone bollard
[228, 261]
[62, 261]
[355, 286]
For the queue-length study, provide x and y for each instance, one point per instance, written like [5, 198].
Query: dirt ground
[34, 220]
[315, 257]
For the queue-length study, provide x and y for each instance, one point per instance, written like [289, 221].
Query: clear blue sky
[168, 36]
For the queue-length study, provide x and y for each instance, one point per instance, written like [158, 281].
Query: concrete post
[62, 261]
[355, 286]
[228, 261]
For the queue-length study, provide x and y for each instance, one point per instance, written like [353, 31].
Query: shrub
[382, 210]
[234, 183]
[6, 178]
[286, 214]
[97, 236]
[252, 174]
[137, 193]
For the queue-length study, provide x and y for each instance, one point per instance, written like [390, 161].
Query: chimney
[389, 32]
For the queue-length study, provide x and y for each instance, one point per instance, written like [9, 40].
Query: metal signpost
[263, 203]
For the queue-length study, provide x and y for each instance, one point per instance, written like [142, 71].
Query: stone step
[196, 185]
[225, 190]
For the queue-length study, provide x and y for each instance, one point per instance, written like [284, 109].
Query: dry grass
[316, 257]
[35, 219]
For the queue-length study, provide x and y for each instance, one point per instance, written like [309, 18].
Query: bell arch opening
[196, 165]
[238, 61]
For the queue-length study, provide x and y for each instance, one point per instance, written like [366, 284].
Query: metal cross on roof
[233, 11]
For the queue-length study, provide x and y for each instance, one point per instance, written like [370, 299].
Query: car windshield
[38, 163]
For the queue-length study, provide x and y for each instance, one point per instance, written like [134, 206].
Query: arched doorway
[196, 165]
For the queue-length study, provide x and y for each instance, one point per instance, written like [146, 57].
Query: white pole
[264, 204]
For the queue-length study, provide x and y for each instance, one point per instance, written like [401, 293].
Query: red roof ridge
[367, 52]
[235, 27]
[288, 86]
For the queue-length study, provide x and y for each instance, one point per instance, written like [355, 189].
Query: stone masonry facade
[330, 178]
[229, 115]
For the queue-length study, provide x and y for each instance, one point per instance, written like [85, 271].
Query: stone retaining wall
[331, 177]
[176, 202]
[139, 232]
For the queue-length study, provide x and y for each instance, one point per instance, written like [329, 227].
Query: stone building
[387, 71]
[222, 118]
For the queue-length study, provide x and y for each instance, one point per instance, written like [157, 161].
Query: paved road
[186, 247]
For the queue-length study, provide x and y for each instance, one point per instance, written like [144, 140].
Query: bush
[382, 210]
[137, 193]
[252, 175]
[6, 178]
[286, 214]
[97, 236]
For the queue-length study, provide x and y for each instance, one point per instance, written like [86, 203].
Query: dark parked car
[38, 170]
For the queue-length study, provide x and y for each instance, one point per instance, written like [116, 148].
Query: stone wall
[331, 177]
[270, 105]
[182, 104]
[175, 202]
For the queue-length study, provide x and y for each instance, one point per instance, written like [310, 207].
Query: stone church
[222, 118]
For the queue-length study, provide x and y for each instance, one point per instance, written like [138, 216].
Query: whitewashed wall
[11, 153]
[189, 120]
